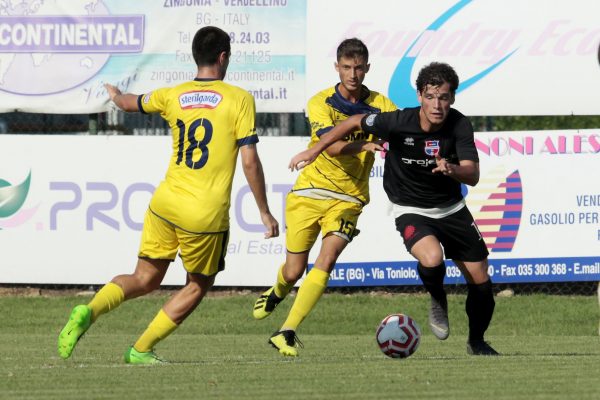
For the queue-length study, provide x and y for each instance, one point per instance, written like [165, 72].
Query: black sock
[433, 280]
[480, 307]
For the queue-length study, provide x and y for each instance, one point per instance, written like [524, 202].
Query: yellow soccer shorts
[201, 253]
[305, 218]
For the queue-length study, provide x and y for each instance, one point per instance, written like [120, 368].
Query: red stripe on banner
[500, 245]
[499, 221]
[499, 234]
[512, 195]
[506, 207]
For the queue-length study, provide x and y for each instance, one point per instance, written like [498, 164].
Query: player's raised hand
[112, 91]
[271, 224]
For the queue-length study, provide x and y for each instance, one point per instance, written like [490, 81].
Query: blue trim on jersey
[139, 104]
[323, 131]
[252, 139]
[347, 107]
[206, 79]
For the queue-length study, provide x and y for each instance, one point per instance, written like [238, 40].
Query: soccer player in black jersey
[431, 153]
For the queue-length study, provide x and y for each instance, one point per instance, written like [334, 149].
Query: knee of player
[431, 259]
[148, 284]
[293, 275]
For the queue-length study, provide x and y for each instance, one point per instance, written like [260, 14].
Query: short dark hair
[208, 43]
[435, 74]
[352, 48]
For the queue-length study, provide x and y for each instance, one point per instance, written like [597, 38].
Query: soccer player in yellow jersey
[328, 195]
[189, 212]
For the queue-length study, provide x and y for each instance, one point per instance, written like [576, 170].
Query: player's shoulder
[237, 90]
[379, 100]
[320, 97]
[456, 118]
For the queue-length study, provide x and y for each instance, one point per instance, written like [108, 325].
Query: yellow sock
[160, 327]
[107, 299]
[308, 294]
[282, 288]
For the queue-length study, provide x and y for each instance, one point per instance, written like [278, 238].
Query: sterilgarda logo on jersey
[400, 89]
[47, 48]
[497, 205]
[12, 198]
[200, 99]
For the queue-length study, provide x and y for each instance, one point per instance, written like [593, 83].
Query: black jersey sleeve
[465, 141]
[380, 124]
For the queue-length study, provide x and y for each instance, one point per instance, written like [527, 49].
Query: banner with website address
[537, 206]
[56, 56]
[78, 221]
[513, 57]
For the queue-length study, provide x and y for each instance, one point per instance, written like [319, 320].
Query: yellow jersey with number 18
[209, 121]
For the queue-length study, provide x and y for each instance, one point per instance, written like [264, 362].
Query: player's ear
[419, 97]
[368, 67]
[452, 98]
[223, 57]
[337, 66]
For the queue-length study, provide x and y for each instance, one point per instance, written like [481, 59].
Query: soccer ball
[398, 336]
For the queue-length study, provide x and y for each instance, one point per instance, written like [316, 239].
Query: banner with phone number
[537, 206]
[78, 221]
[56, 56]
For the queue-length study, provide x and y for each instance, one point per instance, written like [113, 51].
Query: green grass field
[549, 344]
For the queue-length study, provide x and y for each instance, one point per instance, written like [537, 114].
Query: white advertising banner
[55, 56]
[71, 211]
[513, 57]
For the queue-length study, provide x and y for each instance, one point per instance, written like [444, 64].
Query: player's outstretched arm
[347, 149]
[256, 180]
[304, 158]
[126, 102]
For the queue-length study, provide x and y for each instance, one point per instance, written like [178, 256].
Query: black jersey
[407, 178]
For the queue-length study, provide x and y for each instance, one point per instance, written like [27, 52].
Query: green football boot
[78, 324]
[132, 356]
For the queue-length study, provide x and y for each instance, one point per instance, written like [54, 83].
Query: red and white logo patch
[432, 147]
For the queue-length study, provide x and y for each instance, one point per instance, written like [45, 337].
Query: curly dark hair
[435, 74]
[351, 48]
[208, 43]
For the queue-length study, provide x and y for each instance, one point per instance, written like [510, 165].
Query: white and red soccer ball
[398, 336]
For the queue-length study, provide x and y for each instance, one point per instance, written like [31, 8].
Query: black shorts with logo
[458, 234]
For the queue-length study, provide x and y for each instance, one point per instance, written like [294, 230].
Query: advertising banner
[512, 57]
[537, 206]
[55, 56]
[72, 207]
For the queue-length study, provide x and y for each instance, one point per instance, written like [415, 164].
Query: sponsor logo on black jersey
[432, 147]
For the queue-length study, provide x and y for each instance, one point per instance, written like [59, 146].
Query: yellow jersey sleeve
[155, 101]
[245, 124]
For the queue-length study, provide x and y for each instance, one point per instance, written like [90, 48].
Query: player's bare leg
[147, 276]
[172, 314]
